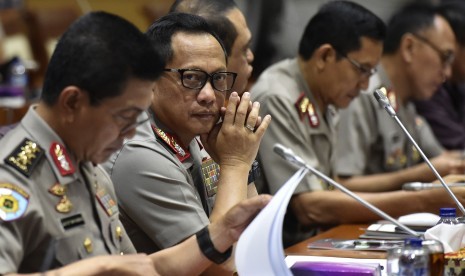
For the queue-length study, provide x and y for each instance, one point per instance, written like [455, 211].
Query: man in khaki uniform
[57, 206]
[378, 156]
[336, 57]
[301, 94]
[187, 102]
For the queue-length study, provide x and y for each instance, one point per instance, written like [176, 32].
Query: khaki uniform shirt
[52, 211]
[159, 195]
[370, 141]
[283, 93]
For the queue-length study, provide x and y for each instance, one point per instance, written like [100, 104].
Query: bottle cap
[413, 242]
[447, 212]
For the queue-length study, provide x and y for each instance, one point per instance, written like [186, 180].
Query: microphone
[380, 96]
[288, 155]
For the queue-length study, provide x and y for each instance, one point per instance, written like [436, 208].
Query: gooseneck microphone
[288, 155]
[384, 102]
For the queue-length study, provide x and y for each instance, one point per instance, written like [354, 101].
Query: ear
[71, 101]
[324, 55]
[407, 47]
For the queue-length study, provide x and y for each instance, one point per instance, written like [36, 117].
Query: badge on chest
[106, 201]
[210, 175]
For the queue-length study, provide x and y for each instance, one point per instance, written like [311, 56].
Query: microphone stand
[382, 99]
[289, 155]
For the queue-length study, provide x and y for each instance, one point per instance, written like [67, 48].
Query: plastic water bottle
[14, 84]
[448, 216]
[18, 74]
[414, 259]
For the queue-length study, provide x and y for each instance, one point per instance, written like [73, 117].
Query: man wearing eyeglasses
[445, 111]
[373, 154]
[163, 184]
[229, 23]
[338, 51]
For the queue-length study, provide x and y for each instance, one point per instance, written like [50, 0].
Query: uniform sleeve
[11, 248]
[155, 193]
[355, 134]
[286, 129]
[19, 233]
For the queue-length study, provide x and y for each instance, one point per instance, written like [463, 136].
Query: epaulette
[305, 108]
[61, 159]
[181, 153]
[25, 157]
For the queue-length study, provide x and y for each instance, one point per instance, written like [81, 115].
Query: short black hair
[412, 18]
[99, 53]
[341, 24]
[162, 30]
[214, 12]
[454, 13]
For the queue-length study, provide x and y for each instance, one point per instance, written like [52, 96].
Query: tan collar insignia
[57, 189]
[65, 205]
[25, 157]
[305, 107]
[61, 159]
[171, 141]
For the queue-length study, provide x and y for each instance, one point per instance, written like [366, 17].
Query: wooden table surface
[345, 231]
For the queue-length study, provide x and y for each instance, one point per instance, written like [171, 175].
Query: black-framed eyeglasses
[447, 57]
[364, 70]
[196, 79]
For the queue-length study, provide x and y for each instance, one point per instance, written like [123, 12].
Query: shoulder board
[25, 157]
[181, 153]
[61, 159]
[302, 104]
[305, 108]
[13, 202]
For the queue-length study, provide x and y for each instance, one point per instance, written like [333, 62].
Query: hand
[231, 142]
[453, 178]
[448, 163]
[234, 222]
[125, 265]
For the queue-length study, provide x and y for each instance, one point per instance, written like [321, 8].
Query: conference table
[344, 231]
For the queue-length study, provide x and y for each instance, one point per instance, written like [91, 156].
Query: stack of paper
[259, 250]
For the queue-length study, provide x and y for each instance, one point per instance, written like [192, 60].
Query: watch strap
[209, 250]
[254, 172]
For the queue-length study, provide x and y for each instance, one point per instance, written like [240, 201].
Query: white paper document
[259, 250]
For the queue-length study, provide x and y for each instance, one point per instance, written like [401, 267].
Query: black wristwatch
[254, 172]
[209, 250]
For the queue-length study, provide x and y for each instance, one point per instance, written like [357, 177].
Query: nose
[250, 56]
[447, 71]
[206, 94]
[364, 82]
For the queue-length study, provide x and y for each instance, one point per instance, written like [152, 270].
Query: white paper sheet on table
[259, 250]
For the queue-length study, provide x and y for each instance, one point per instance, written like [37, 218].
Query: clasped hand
[236, 138]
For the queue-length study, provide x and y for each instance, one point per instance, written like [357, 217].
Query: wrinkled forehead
[195, 49]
